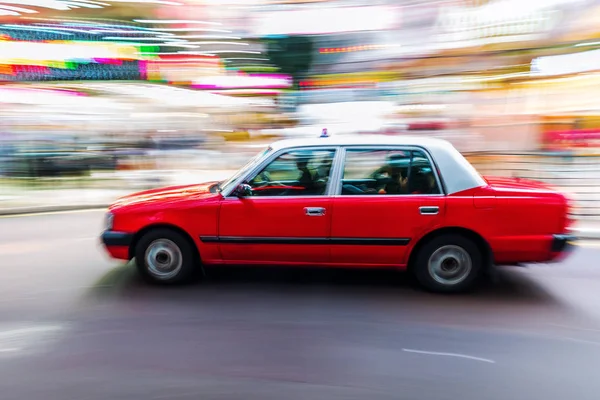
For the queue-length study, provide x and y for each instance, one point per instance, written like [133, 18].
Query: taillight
[570, 222]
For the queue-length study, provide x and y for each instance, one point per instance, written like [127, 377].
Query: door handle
[314, 211]
[429, 210]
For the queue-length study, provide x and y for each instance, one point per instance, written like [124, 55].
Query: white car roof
[352, 140]
[456, 172]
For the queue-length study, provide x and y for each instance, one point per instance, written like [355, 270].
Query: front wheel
[166, 257]
[449, 264]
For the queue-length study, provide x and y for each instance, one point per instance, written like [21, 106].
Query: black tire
[460, 251]
[180, 265]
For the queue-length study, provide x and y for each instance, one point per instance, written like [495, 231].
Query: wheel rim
[163, 259]
[450, 265]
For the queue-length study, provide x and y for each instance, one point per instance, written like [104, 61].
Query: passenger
[397, 181]
[423, 183]
[306, 180]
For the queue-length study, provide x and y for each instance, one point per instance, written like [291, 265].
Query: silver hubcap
[163, 259]
[450, 265]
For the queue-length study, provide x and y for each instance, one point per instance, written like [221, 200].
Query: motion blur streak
[434, 353]
[99, 99]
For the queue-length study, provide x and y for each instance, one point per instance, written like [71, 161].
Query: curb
[587, 233]
[46, 209]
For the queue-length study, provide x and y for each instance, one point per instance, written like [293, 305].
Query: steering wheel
[264, 179]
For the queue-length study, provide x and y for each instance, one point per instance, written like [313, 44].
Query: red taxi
[410, 203]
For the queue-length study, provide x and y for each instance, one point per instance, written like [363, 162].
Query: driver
[305, 179]
[324, 169]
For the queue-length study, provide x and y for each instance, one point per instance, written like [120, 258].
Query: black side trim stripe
[302, 240]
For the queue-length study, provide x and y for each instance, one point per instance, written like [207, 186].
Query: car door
[287, 217]
[385, 199]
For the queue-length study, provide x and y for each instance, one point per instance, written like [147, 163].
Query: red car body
[510, 220]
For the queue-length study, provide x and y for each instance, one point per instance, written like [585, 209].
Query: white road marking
[570, 339]
[29, 330]
[435, 353]
[575, 328]
[15, 340]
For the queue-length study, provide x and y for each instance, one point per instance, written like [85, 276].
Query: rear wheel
[449, 264]
[166, 257]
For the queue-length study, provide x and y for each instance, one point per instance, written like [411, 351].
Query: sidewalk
[102, 190]
[38, 201]
[588, 229]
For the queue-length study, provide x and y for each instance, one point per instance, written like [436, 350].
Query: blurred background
[101, 97]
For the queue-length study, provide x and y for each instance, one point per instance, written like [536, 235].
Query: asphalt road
[76, 325]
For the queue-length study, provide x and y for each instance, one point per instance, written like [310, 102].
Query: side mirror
[243, 190]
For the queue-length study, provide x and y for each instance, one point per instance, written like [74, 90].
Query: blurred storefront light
[175, 21]
[18, 7]
[501, 21]
[21, 52]
[181, 70]
[566, 63]
[326, 20]
[350, 49]
[239, 82]
[587, 44]
[213, 52]
[348, 79]
[54, 4]
[35, 96]
[159, 2]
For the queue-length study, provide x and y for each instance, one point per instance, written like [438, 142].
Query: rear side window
[388, 172]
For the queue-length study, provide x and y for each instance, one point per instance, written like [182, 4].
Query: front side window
[295, 173]
[388, 172]
[228, 184]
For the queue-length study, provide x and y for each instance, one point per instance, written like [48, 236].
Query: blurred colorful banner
[571, 139]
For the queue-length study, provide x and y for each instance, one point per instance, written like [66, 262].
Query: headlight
[108, 221]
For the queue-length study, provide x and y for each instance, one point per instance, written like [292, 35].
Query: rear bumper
[117, 244]
[561, 246]
[562, 243]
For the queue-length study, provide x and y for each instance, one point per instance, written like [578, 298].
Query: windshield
[225, 185]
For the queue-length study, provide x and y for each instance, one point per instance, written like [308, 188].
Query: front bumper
[117, 243]
[113, 238]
